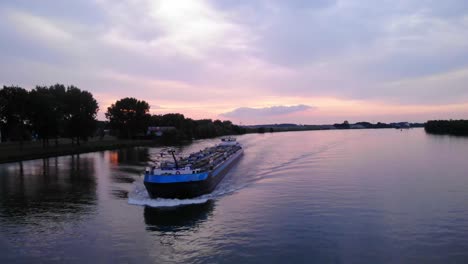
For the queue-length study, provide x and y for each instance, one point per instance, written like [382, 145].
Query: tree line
[130, 118]
[449, 127]
[57, 111]
[46, 113]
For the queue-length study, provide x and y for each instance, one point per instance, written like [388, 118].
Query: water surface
[360, 196]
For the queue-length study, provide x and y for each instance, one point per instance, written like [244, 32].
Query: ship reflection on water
[168, 219]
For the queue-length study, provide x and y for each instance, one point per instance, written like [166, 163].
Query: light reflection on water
[384, 196]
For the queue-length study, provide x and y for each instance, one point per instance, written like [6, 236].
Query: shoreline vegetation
[447, 127]
[15, 151]
[58, 120]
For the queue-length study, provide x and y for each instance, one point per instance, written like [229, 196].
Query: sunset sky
[309, 62]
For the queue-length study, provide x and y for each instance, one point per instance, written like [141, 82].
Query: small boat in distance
[195, 175]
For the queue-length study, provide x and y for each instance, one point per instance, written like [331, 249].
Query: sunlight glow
[189, 26]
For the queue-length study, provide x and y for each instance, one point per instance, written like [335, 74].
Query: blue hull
[188, 185]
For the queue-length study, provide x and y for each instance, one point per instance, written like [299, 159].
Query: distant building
[159, 131]
[401, 125]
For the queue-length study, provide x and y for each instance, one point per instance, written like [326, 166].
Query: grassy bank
[12, 151]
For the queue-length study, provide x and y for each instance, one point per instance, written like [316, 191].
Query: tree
[344, 125]
[58, 110]
[58, 94]
[188, 129]
[129, 117]
[13, 112]
[79, 114]
[176, 120]
[450, 127]
[46, 113]
[205, 128]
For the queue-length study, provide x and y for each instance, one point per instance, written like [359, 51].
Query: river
[354, 196]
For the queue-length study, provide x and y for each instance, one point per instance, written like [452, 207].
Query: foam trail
[139, 196]
[165, 202]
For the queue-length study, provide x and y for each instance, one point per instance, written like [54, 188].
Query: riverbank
[447, 127]
[12, 151]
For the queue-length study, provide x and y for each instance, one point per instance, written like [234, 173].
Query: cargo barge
[195, 175]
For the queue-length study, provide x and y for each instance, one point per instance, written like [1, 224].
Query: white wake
[139, 196]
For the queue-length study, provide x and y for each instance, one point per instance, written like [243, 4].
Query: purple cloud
[176, 53]
[248, 112]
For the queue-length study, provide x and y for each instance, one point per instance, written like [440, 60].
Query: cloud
[247, 112]
[354, 49]
[219, 54]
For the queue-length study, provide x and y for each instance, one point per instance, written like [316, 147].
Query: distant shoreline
[11, 151]
[447, 127]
